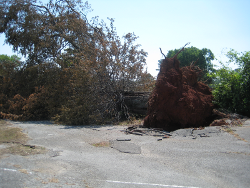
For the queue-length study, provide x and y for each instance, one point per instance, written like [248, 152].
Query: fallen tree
[178, 100]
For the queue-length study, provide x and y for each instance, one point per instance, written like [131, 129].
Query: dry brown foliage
[77, 70]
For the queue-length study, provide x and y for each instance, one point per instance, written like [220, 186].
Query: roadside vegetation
[77, 70]
[231, 88]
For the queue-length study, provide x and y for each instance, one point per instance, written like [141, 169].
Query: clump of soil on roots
[179, 100]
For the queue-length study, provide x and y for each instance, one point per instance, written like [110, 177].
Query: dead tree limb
[182, 49]
[163, 54]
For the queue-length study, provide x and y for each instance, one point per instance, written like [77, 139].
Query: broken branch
[163, 54]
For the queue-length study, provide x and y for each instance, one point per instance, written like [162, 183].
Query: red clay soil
[178, 99]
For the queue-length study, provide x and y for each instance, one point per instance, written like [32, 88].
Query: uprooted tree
[76, 70]
[178, 99]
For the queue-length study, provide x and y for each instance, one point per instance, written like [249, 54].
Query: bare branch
[182, 49]
[163, 53]
[186, 44]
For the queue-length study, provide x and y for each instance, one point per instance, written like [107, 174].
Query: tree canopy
[191, 54]
[83, 64]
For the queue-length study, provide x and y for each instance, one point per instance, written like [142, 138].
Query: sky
[219, 25]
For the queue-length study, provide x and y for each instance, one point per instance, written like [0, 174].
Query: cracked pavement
[104, 156]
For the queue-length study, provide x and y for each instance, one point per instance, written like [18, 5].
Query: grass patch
[23, 171]
[11, 134]
[131, 122]
[231, 131]
[101, 144]
[23, 150]
[15, 141]
[53, 180]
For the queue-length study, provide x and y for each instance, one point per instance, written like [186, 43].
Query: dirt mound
[178, 100]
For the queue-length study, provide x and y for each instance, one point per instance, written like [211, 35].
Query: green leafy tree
[231, 88]
[202, 57]
[9, 64]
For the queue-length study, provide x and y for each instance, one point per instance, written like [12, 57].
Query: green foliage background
[231, 88]
[201, 57]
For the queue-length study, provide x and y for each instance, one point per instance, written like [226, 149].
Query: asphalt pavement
[106, 157]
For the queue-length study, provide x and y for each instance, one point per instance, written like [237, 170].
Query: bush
[231, 88]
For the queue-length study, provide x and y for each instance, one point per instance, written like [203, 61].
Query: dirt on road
[49, 155]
